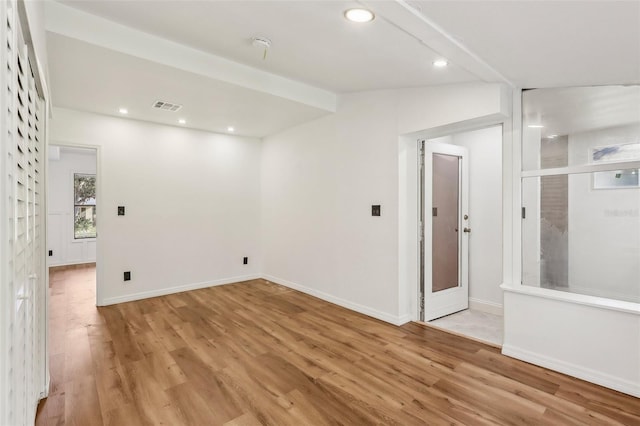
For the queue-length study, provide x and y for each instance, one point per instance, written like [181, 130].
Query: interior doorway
[72, 210]
[460, 225]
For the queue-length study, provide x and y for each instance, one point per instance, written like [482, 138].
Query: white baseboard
[177, 289]
[606, 380]
[484, 306]
[403, 319]
[382, 316]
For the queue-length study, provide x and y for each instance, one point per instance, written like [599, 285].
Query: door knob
[467, 230]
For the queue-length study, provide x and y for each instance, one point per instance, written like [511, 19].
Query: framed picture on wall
[616, 179]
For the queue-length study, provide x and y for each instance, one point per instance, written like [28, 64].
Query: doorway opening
[72, 216]
[460, 233]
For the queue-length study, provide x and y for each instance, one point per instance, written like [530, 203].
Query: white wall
[604, 224]
[192, 204]
[66, 249]
[320, 179]
[601, 345]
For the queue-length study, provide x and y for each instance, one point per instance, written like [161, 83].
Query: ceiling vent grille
[166, 106]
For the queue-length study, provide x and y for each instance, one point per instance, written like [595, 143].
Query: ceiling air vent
[166, 106]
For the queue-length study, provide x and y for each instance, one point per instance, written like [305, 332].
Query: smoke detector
[261, 43]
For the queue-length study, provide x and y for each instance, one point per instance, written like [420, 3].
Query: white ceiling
[91, 78]
[125, 57]
[548, 43]
[565, 111]
[312, 42]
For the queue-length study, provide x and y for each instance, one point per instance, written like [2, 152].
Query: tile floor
[479, 325]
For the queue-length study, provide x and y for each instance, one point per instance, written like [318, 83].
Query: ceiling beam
[70, 22]
[407, 17]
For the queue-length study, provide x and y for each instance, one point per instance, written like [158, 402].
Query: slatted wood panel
[22, 196]
[257, 353]
[6, 299]
[14, 389]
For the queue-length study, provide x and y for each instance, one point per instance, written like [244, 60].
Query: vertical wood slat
[8, 290]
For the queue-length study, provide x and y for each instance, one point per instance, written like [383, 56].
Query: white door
[22, 273]
[444, 276]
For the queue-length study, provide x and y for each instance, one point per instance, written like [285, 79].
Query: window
[580, 190]
[84, 196]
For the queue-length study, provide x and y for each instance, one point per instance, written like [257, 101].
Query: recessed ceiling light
[359, 15]
[535, 126]
[440, 63]
[230, 129]
[123, 111]
[553, 136]
[182, 121]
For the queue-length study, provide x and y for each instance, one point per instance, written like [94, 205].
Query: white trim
[382, 316]
[403, 319]
[579, 299]
[71, 263]
[99, 31]
[586, 168]
[512, 259]
[626, 386]
[485, 306]
[176, 289]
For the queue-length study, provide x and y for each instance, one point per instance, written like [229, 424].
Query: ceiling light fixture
[440, 63]
[230, 129]
[182, 121]
[123, 111]
[553, 136]
[359, 15]
[535, 126]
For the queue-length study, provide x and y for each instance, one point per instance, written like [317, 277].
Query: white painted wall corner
[382, 316]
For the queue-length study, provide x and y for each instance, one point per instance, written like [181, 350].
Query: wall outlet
[375, 210]
[245, 260]
[120, 210]
[50, 253]
[127, 276]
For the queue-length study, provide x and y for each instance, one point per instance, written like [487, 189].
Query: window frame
[520, 172]
[75, 205]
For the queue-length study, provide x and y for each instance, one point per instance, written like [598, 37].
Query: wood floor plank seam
[257, 353]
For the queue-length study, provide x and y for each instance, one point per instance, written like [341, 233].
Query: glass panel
[84, 222]
[84, 193]
[84, 190]
[580, 238]
[580, 125]
[446, 180]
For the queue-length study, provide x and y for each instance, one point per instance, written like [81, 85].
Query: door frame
[409, 208]
[449, 300]
[97, 148]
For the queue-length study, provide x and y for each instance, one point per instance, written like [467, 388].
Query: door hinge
[524, 212]
[434, 211]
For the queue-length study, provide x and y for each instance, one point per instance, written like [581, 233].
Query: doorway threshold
[475, 325]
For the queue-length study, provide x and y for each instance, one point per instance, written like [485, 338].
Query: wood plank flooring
[258, 353]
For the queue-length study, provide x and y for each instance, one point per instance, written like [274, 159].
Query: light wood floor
[258, 353]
